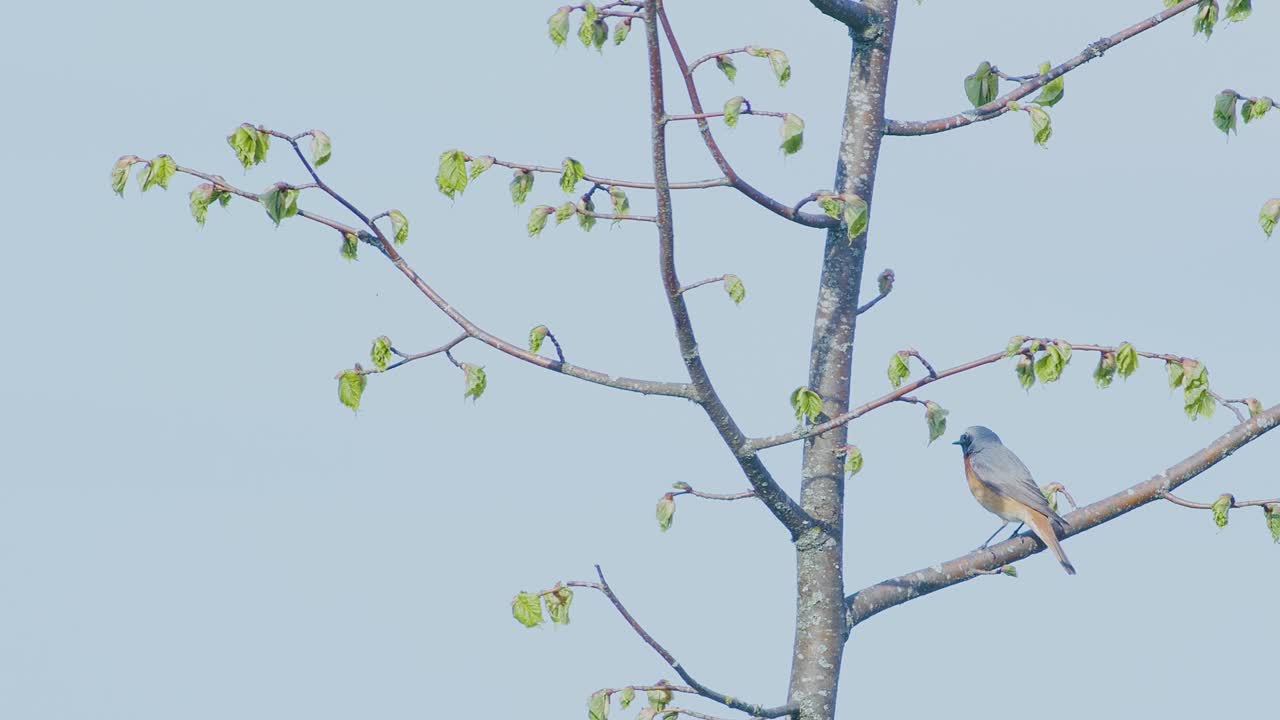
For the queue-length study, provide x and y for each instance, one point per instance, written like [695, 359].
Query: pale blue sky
[192, 526]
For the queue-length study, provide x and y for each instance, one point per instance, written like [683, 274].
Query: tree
[825, 610]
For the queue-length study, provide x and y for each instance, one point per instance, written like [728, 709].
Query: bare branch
[686, 489]
[408, 358]
[889, 593]
[1000, 105]
[1209, 506]
[700, 283]
[701, 689]
[856, 16]
[746, 110]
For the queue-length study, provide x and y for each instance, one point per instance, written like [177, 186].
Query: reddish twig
[606, 182]
[410, 357]
[1209, 506]
[700, 283]
[745, 111]
[712, 56]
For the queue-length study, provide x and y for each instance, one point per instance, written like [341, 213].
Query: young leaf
[380, 353]
[1197, 401]
[1269, 215]
[898, 369]
[1026, 375]
[884, 281]
[1272, 515]
[351, 386]
[936, 418]
[1220, 508]
[451, 177]
[1041, 126]
[399, 227]
[598, 706]
[1014, 345]
[1106, 370]
[626, 696]
[855, 214]
[570, 174]
[536, 336]
[475, 380]
[724, 64]
[599, 34]
[1051, 93]
[199, 200]
[1050, 365]
[558, 602]
[321, 148]
[981, 87]
[806, 403]
[733, 108]
[280, 201]
[1238, 10]
[621, 31]
[1254, 406]
[350, 247]
[521, 184]
[526, 608]
[538, 219]
[565, 211]
[1224, 111]
[1206, 17]
[585, 220]
[558, 26]
[1126, 360]
[781, 66]
[734, 287]
[249, 144]
[157, 172]
[666, 511]
[120, 172]
[792, 131]
[479, 165]
[852, 460]
[1175, 373]
[1254, 109]
[621, 206]
[659, 699]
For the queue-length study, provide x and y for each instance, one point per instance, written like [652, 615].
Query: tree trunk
[820, 612]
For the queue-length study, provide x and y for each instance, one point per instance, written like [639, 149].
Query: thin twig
[410, 357]
[700, 283]
[687, 490]
[1209, 506]
[607, 182]
[712, 56]
[707, 115]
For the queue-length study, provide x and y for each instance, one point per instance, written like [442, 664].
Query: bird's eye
[964, 438]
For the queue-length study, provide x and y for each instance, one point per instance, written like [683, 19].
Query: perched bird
[1003, 485]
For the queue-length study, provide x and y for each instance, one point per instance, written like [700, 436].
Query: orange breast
[990, 499]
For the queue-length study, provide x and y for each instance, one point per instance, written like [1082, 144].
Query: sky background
[192, 526]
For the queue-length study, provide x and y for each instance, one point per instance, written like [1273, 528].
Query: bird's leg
[993, 535]
[1015, 531]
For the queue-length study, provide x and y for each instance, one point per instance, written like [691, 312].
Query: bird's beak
[957, 443]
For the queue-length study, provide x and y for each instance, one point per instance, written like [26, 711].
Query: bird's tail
[1045, 531]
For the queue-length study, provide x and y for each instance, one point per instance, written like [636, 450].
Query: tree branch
[700, 283]
[1000, 105]
[701, 689]
[606, 182]
[778, 208]
[856, 16]
[783, 507]
[410, 357]
[1209, 506]
[889, 593]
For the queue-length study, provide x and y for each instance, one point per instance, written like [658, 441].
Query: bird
[1003, 485]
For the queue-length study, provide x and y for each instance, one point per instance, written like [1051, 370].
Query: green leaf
[659, 699]
[451, 177]
[734, 287]
[120, 172]
[1197, 401]
[558, 602]
[1269, 215]
[526, 608]
[1206, 17]
[626, 696]
[1041, 126]
[1175, 373]
[351, 386]
[832, 205]
[621, 205]
[244, 141]
[350, 247]
[570, 174]
[855, 215]
[1220, 508]
[1255, 407]
[380, 353]
[1014, 345]
[1272, 515]
[536, 336]
[1126, 360]
[1051, 93]
[565, 211]
[852, 460]
[936, 418]
[1010, 570]
[475, 379]
[792, 131]
[981, 86]
[538, 219]
[558, 25]
[521, 184]
[599, 34]
[732, 109]
[321, 148]
[1224, 111]
[598, 704]
[223, 197]
[898, 369]
[754, 51]
[666, 511]
[199, 200]
[884, 281]
[1255, 108]
[806, 403]
[157, 172]
[724, 64]
[781, 66]
[1026, 375]
[1050, 365]
[585, 220]
[1238, 10]
[621, 31]
[399, 227]
[1106, 370]
[479, 165]
[280, 201]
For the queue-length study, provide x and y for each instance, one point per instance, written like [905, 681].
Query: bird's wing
[998, 468]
